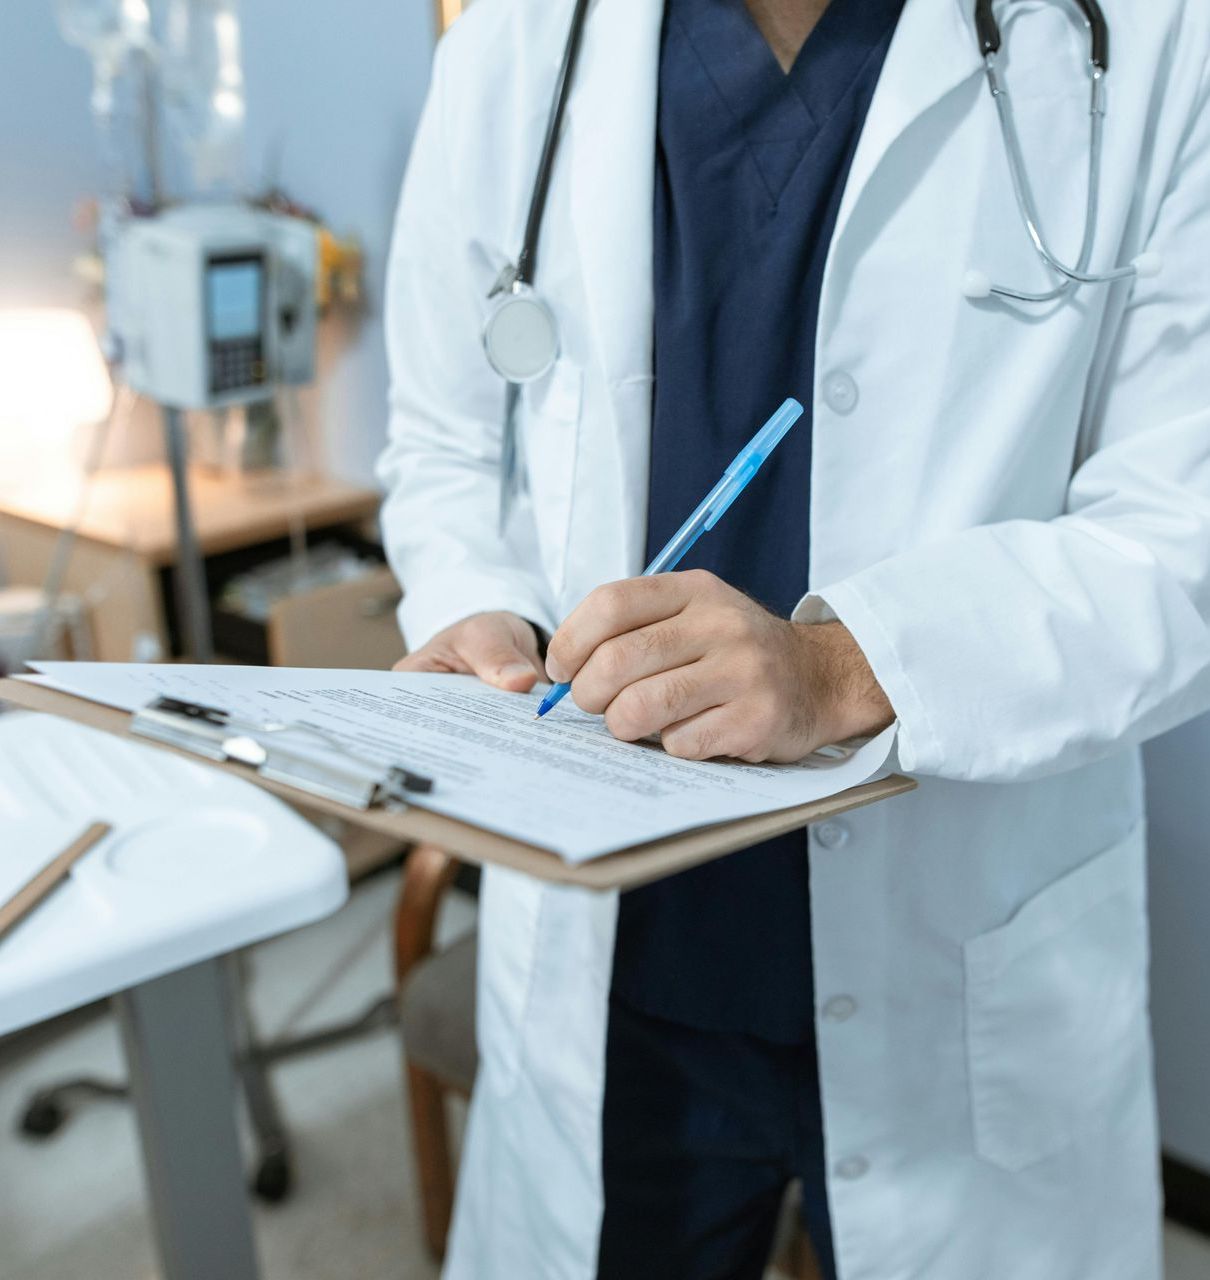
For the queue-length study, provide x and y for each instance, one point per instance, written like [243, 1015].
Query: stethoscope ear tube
[987, 31]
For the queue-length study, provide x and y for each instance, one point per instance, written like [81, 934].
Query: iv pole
[194, 624]
[189, 578]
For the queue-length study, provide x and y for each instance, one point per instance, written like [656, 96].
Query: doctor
[994, 529]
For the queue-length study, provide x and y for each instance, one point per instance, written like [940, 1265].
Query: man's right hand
[499, 648]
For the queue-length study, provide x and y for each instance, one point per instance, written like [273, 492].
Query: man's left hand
[688, 657]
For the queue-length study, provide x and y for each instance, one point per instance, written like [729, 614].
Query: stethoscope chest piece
[520, 335]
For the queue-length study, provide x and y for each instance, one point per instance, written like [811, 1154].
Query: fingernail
[553, 673]
[514, 671]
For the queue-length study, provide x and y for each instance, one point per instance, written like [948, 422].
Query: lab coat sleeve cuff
[428, 609]
[916, 742]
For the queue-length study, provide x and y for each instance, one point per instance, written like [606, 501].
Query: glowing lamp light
[53, 381]
[53, 377]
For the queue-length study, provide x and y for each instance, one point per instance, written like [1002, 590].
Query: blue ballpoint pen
[710, 511]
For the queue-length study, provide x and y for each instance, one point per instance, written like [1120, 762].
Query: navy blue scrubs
[715, 964]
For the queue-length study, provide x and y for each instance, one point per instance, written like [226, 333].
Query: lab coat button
[831, 835]
[840, 1008]
[840, 392]
[852, 1167]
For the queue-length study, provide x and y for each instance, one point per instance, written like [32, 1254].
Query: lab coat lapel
[932, 52]
[612, 120]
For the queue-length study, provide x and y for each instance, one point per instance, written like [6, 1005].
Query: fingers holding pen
[617, 609]
[647, 706]
[634, 657]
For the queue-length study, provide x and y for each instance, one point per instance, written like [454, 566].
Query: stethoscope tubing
[1079, 274]
[527, 260]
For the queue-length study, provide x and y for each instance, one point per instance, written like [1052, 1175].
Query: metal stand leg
[192, 601]
[178, 1050]
[47, 1110]
[273, 1175]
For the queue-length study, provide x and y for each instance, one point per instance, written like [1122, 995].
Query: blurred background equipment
[116, 36]
[31, 626]
[210, 300]
[124, 561]
[212, 305]
[171, 67]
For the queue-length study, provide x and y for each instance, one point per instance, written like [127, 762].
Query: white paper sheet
[562, 783]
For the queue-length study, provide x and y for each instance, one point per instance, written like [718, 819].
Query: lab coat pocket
[551, 411]
[1056, 1010]
[509, 910]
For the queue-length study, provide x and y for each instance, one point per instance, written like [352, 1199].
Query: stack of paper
[562, 783]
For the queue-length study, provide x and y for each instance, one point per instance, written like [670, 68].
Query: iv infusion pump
[213, 305]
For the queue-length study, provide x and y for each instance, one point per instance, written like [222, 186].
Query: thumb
[508, 669]
[499, 659]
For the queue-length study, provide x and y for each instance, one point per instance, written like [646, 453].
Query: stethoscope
[520, 334]
[976, 284]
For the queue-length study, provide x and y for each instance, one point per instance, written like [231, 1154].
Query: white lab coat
[1011, 514]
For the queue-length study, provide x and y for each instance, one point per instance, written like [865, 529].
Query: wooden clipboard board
[626, 869]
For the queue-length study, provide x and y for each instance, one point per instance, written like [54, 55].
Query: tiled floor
[72, 1208]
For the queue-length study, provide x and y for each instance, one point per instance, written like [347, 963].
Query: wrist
[846, 699]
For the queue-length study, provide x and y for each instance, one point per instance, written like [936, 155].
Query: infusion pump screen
[234, 300]
[235, 311]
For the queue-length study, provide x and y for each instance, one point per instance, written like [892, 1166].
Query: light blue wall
[48, 154]
[333, 86]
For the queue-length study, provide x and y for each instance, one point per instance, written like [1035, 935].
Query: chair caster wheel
[42, 1117]
[273, 1178]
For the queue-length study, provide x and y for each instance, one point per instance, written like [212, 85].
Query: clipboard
[298, 755]
[626, 869]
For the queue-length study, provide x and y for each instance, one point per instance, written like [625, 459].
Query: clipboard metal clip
[298, 755]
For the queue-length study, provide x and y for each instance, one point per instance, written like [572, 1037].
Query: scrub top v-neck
[751, 164]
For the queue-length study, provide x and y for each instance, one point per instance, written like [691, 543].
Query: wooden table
[127, 535]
